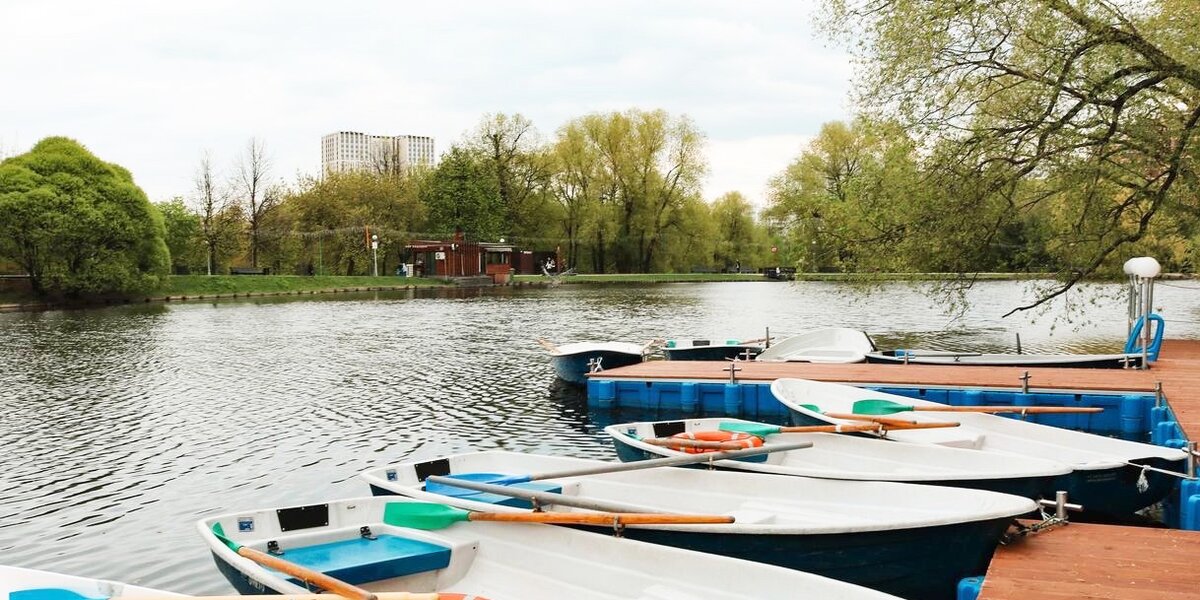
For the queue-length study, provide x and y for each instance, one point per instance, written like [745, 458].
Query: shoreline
[183, 288]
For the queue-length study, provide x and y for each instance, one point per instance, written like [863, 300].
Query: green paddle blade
[878, 407]
[755, 429]
[220, 533]
[422, 515]
[812, 407]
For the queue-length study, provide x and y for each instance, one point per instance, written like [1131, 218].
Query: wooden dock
[1078, 561]
[1102, 562]
[1178, 370]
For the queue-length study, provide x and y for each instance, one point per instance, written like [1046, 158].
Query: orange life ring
[728, 438]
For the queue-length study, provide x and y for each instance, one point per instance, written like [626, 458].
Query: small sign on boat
[245, 523]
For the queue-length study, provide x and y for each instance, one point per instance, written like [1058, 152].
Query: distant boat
[363, 542]
[855, 457]
[1109, 476]
[915, 541]
[709, 350]
[831, 345]
[1076, 361]
[17, 583]
[572, 362]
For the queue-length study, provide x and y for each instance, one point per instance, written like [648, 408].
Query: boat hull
[1077, 361]
[711, 352]
[573, 368]
[922, 563]
[1115, 492]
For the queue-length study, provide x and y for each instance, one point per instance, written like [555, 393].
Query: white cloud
[151, 85]
[746, 165]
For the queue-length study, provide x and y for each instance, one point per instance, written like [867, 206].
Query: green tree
[514, 153]
[77, 224]
[850, 193]
[739, 238]
[1088, 107]
[331, 218]
[462, 193]
[182, 234]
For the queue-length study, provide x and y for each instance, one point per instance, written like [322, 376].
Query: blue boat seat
[501, 500]
[361, 560]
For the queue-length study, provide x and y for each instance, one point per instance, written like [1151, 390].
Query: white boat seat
[953, 437]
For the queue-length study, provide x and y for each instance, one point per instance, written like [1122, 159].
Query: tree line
[611, 192]
[1050, 136]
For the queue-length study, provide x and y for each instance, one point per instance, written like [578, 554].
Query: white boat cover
[980, 431]
[831, 345]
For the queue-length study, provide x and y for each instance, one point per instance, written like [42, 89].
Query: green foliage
[1062, 122]
[463, 193]
[78, 225]
[182, 235]
[328, 221]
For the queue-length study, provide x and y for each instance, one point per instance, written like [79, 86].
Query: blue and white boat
[17, 583]
[1109, 476]
[357, 542]
[572, 362]
[854, 457]
[710, 350]
[914, 541]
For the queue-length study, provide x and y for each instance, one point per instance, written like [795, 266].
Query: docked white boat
[572, 362]
[831, 345]
[1109, 476]
[914, 541]
[363, 543]
[853, 457]
[17, 583]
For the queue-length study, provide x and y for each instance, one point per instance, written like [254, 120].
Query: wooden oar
[551, 498]
[426, 515]
[448, 486]
[887, 407]
[316, 578]
[763, 430]
[686, 443]
[855, 417]
[547, 345]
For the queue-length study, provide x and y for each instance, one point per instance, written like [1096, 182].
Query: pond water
[123, 426]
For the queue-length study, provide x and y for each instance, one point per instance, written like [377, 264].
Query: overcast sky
[152, 85]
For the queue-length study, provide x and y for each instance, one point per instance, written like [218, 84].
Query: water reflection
[124, 425]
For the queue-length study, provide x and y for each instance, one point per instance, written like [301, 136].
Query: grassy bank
[204, 285]
[645, 278]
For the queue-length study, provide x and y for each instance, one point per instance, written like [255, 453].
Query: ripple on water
[123, 426]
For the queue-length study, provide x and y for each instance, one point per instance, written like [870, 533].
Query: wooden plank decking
[1101, 562]
[1079, 561]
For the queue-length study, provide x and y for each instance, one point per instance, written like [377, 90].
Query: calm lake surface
[121, 427]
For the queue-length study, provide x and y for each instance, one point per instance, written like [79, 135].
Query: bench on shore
[249, 271]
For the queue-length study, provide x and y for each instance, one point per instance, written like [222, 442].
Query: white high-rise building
[352, 151]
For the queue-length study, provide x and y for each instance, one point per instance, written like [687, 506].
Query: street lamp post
[375, 253]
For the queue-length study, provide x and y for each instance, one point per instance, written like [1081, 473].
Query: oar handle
[1011, 409]
[857, 417]
[317, 578]
[672, 461]
[839, 428]
[686, 443]
[571, 518]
